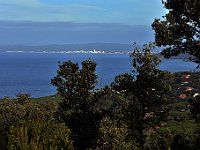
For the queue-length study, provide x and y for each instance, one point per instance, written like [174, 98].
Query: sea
[31, 72]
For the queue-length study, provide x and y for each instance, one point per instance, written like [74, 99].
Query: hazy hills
[107, 47]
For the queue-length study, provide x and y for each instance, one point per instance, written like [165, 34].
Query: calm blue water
[32, 72]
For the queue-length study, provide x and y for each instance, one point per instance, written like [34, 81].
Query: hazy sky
[77, 21]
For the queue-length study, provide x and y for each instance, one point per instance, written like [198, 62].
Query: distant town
[87, 52]
[73, 51]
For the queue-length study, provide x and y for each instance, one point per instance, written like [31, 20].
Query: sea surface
[30, 72]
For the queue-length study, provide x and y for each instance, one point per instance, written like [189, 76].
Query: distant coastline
[85, 48]
[181, 56]
[69, 52]
[106, 47]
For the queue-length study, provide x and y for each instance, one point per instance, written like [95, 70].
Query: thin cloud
[31, 3]
[34, 10]
[122, 11]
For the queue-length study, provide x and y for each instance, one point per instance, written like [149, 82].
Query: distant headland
[80, 48]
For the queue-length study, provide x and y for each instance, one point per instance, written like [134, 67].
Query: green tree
[76, 86]
[23, 98]
[25, 124]
[113, 136]
[111, 106]
[147, 95]
[11, 113]
[109, 103]
[39, 135]
[124, 84]
[179, 30]
[195, 110]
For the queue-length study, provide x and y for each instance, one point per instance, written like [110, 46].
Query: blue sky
[102, 16]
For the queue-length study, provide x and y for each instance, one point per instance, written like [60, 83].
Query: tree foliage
[113, 136]
[26, 124]
[179, 30]
[38, 135]
[75, 86]
[195, 110]
[145, 90]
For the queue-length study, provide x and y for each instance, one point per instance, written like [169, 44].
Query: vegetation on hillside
[142, 110]
[148, 109]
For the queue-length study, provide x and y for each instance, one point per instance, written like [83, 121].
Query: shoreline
[66, 52]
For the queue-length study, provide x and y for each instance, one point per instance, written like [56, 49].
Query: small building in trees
[182, 96]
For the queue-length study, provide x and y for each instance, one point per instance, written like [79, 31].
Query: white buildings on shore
[93, 52]
[80, 51]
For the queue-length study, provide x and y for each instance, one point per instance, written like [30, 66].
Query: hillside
[107, 47]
